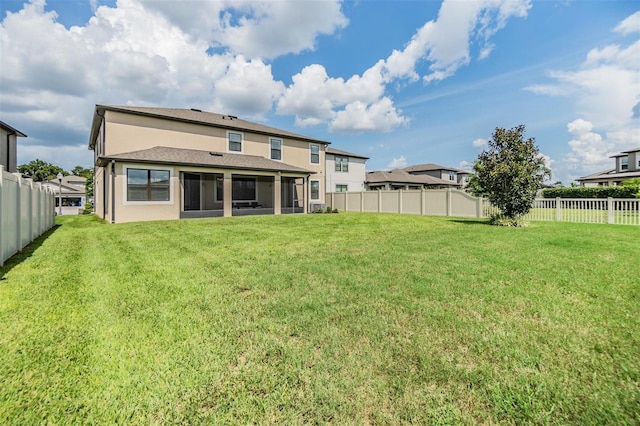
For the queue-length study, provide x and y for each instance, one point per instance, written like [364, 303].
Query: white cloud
[255, 29]
[479, 143]
[397, 163]
[629, 25]
[466, 166]
[358, 117]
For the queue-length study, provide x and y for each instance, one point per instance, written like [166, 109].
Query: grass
[343, 319]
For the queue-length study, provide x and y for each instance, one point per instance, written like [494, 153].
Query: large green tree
[510, 171]
[40, 171]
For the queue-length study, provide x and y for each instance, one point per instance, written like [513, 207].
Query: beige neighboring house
[70, 191]
[9, 147]
[169, 163]
[400, 179]
[422, 176]
[627, 166]
[345, 171]
[450, 174]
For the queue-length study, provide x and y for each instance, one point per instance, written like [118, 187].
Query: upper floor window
[452, 176]
[235, 141]
[342, 164]
[315, 154]
[341, 188]
[147, 185]
[276, 149]
[624, 163]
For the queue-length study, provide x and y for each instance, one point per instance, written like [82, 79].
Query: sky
[402, 82]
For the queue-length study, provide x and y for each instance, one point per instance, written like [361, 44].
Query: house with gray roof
[9, 147]
[345, 171]
[627, 166]
[170, 163]
[442, 172]
[70, 194]
[401, 179]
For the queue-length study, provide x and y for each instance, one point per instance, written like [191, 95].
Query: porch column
[277, 194]
[228, 195]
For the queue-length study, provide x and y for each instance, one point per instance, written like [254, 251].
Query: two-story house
[627, 166]
[9, 147]
[421, 176]
[167, 163]
[345, 171]
[450, 174]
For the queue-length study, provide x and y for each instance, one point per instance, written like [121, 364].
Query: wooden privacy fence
[27, 210]
[448, 202]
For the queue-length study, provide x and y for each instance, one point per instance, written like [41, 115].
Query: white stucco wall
[354, 179]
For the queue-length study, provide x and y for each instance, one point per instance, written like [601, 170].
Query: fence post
[479, 203]
[361, 201]
[346, 201]
[558, 209]
[1, 218]
[400, 201]
[379, 201]
[422, 201]
[19, 212]
[448, 201]
[610, 218]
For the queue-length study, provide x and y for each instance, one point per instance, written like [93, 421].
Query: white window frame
[241, 142]
[342, 161]
[311, 153]
[281, 149]
[311, 190]
[158, 167]
[346, 186]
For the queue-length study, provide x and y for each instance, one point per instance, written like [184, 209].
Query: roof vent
[215, 154]
[196, 110]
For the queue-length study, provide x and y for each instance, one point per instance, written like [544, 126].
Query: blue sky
[403, 82]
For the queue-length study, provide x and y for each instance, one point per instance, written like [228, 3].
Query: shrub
[597, 192]
[503, 220]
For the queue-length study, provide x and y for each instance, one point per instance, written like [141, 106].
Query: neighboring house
[401, 179]
[445, 173]
[167, 163]
[9, 147]
[627, 166]
[70, 192]
[345, 171]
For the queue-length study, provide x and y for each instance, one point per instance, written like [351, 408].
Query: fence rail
[447, 202]
[26, 212]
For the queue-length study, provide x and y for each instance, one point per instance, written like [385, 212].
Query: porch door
[191, 183]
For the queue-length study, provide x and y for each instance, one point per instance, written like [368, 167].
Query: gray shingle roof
[401, 176]
[198, 158]
[335, 151]
[430, 167]
[198, 117]
[609, 174]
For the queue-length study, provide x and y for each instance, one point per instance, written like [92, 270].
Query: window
[315, 154]
[342, 164]
[276, 149]
[147, 185]
[244, 189]
[235, 141]
[341, 188]
[624, 163]
[452, 176]
[315, 189]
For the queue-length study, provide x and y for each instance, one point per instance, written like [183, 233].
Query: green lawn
[343, 319]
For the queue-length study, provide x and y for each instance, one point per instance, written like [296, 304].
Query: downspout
[9, 151]
[113, 191]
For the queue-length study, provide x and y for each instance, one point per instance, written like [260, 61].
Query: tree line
[41, 171]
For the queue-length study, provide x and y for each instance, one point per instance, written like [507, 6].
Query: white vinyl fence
[447, 202]
[27, 210]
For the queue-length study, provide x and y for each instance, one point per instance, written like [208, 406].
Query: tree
[510, 172]
[81, 171]
[40, 171]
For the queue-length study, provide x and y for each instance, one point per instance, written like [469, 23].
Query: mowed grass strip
[343, 319]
